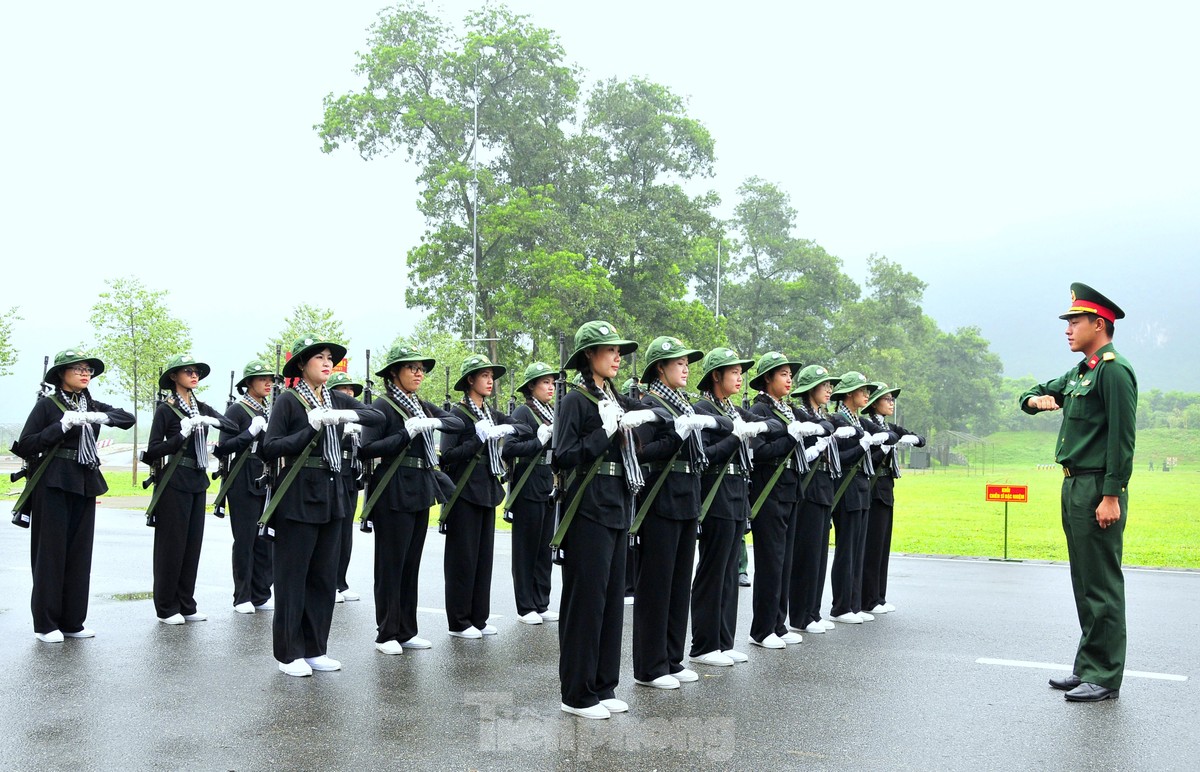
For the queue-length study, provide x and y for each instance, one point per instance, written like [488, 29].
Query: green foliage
[8, 351]
[303, 320]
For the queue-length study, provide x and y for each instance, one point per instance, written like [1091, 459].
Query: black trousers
[808, 563]
[467, 565]
[61, 532]
[306, 556]
[715, 587]
[399, 542]
[850, 528]
[346, 542]
[774, 534]
[875, 559]
[252, 562]
[631, 566]
[178, 535]
[532, 530]
[592, 612]
[667, 549]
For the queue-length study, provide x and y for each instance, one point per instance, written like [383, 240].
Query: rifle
[745, 393]
[154, 466]
[448, 403]
[18, 518]
[271, 471]
[635, 391]
[24, 470]
[560, 386]
[223, 461]
[368, 465]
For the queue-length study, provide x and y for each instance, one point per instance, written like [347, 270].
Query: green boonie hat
[402, 353]
[851, 381]
[598, 333]
[1085, 300]
[64, 359]
[254, 369]
[305, 345]
[666, 347]
[722, 357]
[627, 387]
[474, 364]
[533, 372]
[768, 362]
[178, 362]
[344, 379]
[881, 389]
[809, 378]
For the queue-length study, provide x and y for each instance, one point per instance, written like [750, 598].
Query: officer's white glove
[257, 424]
[503, 430]
[97, 418]
[878, 438]
[72, 418]
[317, 417]
[352, 430]
[186, 425]
[865, 442]
[811, 453]
[635, 418]
[544, 433]
[610, 416]
[908, 440]
[844, 432]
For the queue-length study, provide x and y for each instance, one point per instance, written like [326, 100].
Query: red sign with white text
[1012, 494]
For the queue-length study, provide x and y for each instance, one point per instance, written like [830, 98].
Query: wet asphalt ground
[956, 679]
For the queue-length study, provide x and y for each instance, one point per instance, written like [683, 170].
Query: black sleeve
[226, 424]
[771, 445]
[367, 415]
[288, 431]
[388, 438]
[527, 446]
[117, 418]
[165, 438]
[237, 439]
[42, 429]
[579, 437]
[461, 445]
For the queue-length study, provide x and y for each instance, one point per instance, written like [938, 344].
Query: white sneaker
[736, 655]
[662, 682]
[338, 597]
[174, 619]
[197, 617]
[54, 636]
[880, 609]
[712, 658]
[596, 711]
[772, 641]
[814, 628]
[390, 647]
[686, 676]
[323, 663]
[890, 608]
[532, 618]
[849, 618]
[350, 595]
[488, 630]
[792, 629]
[470, 632]
[791, 638]
[865, 616]
[84, 633]
[615, 706]
[827, 624]
[552, 616]
[296, 667]
[416, 643]
[628, 600]
[266, 605]
[244, 608]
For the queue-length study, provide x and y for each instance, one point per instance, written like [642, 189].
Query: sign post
[1016, 494]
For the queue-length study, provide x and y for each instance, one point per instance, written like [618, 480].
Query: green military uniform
[1095, 445]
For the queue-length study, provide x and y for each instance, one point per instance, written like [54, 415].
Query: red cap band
[1088, 307]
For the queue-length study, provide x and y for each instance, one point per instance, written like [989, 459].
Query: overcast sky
[998, 151]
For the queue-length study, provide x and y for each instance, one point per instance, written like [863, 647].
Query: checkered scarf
[867, 466]
[544, 411]
[87, 454]
[254, 404]
[786, 411]
[832, 458]
[191, 408]
[332, 446]
[411, 404]
[745, 452]
[676, 400]
[495, 464]
[629, 459]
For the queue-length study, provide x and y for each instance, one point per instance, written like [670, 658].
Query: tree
[8, 352]
[303, 320]
[136, 335]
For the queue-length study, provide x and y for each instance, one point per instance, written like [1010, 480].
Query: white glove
[203, 419]
[888, 448]
[865, 442]
[342, 417]
[844, 432]
[796, 429]
[352, 430]
[257, 424]
[635, 418]
[879, 438]
[417, 425]
[610, 416]
[544, 433]
[481, 428]
[811, 453]
[186, 425]
[72, 418]
[821, 444]
[685, 425]
[317, 416]
[503, 430]
[96, 418]
[812, 429]
[908, 440]
[741, 429]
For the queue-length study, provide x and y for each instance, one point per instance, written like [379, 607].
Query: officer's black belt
[68, 453]
[1076, 472]
[678, 466]
[414, 463]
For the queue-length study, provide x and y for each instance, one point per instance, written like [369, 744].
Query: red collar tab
[1095, 360]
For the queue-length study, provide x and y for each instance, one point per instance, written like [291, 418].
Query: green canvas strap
[712, 494]
[27, 491]
[515, 490]
[846, 483]
[462, 481]
[569, 515]
[293, 469]
[762, 497]
[160, 484]
[383, 482]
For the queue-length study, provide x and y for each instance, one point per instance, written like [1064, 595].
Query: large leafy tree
[135, 336]
[303, 320]
[8, 352]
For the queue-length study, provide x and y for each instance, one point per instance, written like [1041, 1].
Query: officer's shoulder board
[1109, 356]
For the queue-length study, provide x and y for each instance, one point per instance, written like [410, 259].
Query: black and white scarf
[257, 406]
[87, 454]
[867, 466]
[411, 404]
[191, 408]
[832, 458]
[676, 400]
[495, 464]
[544, 411]
[629, 459]
[745, 452]
[785, 410]
[332, 451]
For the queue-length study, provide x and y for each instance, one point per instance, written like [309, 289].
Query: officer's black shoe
[1091, 693]
[1066, 684]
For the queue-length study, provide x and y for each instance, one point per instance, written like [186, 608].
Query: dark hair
[1109, 327]
[589, 383]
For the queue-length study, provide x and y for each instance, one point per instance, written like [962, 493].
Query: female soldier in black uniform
[308, 525]
[531, 509]
[252, 573]
[62, 430]
[400, 517]
[882, 404]
[715, 587]
[472, 457]
[850, 513]
[180, 429]
[352, 471]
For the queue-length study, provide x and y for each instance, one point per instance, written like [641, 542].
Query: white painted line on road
[1068, 668]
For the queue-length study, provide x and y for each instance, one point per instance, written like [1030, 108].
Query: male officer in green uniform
[1098, 398]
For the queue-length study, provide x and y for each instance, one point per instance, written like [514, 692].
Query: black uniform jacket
[529, 451]
[316, 495]
[850, 452]
[165, 439]
[772, 449]
[411, 489]
[579, 441]
[237, 443]
[732, 501]
[679, 497]
[885, 483]
[43, 429]
[459, 447]
[821, 485]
